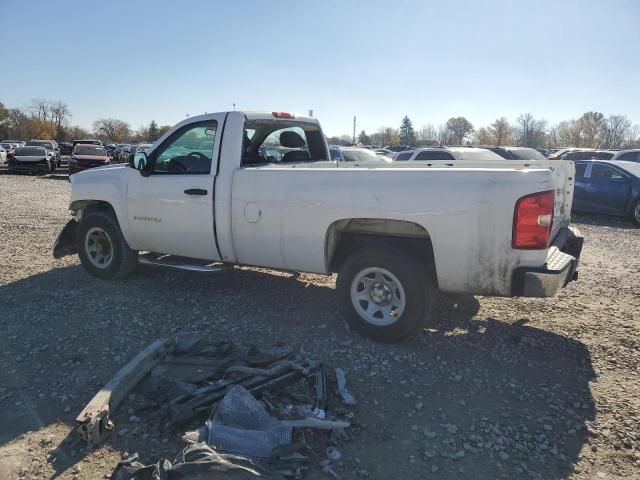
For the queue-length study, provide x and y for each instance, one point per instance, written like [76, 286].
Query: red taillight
[532, 221]
[283, 115]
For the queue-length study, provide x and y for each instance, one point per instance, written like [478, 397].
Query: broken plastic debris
[242, 425]
[342, 388]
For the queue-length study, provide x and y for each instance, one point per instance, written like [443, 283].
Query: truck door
[171, 211]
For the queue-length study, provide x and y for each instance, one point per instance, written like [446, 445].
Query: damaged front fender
[66, 243]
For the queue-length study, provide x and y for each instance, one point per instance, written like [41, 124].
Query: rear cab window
[282, 142]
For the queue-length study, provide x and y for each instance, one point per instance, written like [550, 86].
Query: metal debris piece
[321, 394]
[341, 380]
[326, 468]
[268, 372]
[94, 424]
[312, 422]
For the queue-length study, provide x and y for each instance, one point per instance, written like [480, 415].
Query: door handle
[195, 191]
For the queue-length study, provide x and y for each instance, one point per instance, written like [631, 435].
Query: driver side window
[187, 151]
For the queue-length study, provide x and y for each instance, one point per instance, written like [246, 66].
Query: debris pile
[257, 413]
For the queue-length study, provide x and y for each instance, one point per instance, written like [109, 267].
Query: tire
[376, 280]
[100, 238]
[635, 213]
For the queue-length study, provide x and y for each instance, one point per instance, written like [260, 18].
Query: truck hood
[95, 173]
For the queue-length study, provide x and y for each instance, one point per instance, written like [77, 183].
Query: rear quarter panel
[468, 214]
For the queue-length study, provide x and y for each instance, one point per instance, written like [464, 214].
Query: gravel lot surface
[498, 388]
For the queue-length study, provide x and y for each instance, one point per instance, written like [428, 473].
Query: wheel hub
[380, 293]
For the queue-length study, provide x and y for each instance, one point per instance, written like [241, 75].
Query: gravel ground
[498, 388]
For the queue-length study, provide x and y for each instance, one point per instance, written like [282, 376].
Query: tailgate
[564, 178]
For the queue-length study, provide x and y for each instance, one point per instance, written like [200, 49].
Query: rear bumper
[560, 268]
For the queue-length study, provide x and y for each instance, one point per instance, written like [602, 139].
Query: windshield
[89, 150]
[30, 151]
[360, 155]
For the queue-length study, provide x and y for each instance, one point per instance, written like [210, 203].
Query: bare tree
[633, 137]
[426, 132]
[41, 109]
[60, 113]
[501, 131]
[530, 132]
[112, 129]
[615, 130]
[443, 135]
[553, 136]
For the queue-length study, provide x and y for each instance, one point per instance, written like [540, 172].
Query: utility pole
[354, 129]
[234, 106]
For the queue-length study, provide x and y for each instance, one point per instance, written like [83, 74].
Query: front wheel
[385, 293]
[102, 249]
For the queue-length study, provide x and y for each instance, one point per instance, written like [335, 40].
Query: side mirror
[140, 162]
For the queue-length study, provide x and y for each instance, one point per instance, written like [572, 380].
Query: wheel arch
[81, 208]
[347, 235]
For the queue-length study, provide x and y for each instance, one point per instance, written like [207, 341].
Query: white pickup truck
[205, 197]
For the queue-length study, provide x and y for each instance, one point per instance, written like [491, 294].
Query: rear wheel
[385, 293]
[102, 249]
[635, 213]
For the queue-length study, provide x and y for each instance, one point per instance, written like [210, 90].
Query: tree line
[590, 130]
[46, 119]
[49, 119]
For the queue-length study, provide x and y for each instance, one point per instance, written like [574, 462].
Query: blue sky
[379, 60]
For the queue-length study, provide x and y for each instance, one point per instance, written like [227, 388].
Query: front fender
[103, 185]
[67, 241]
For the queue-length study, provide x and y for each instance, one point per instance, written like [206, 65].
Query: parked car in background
[89, 141]
[516, 153]
[31, 159]
[356, 155]
[562, 151]
[86, 156]
[65, 148]
[17, 143]
[9, 147]
[447, 153]
[609, 187]
[110, 149]
[627, 155]
[385, 152]
[141, 147]
[588, 155]
[3, 155]
[52, 148]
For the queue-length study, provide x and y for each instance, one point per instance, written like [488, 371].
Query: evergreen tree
[153, 131]
[363, 138]
[407, 133]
